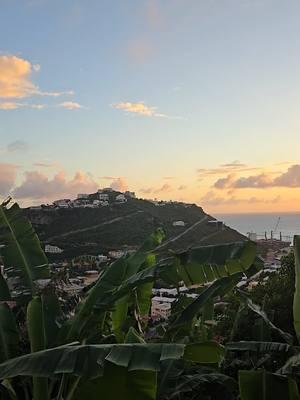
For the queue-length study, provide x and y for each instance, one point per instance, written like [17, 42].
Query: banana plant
[63, 371]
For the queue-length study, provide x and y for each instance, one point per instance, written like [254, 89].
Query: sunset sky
[193, 100]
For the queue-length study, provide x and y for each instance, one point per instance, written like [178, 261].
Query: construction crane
[275, 228]
[277, 224]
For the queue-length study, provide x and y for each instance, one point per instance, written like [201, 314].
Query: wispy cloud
[70, 105]
[17, 145]
[140, 108]
[8, 105]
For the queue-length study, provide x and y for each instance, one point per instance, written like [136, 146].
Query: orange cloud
[39, 186]
[119, 184]
[141, 108]
[8, 174]
[15, 75]
[16, 82]
[288, 179]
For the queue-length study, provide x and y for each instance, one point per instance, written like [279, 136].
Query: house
[63, 203]
[96, 202]
[104, 203]
[219, 225]
[82, 196]
[116, 253]
[130, 194]
[178, 223]
[102, 258]
[103, 196]
[53, 249]
[161, 307]
[120, 198]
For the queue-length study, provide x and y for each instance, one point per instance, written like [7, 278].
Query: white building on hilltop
[103, 196]
[63, 203]
[120, 198]
[130, 194]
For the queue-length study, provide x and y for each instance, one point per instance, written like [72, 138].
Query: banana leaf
[24, 259]
[263, 385]
[258, 310]
[9, 337]
[296, 305]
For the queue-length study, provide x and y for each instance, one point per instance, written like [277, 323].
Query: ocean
[286, 223]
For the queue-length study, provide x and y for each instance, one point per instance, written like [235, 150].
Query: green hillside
[125, 226]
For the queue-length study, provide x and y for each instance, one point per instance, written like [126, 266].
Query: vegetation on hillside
[102, 346]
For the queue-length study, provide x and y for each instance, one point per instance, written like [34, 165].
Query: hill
[83, 227]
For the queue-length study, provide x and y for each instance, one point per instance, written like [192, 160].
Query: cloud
[16, 82]
[182, 187]
[234, 166]
[146, 190]
[44, 165]
[70, 105]
[15, 79]
[8, 174]
[290, 179]
[9, 105]
[119, 184]
[142, 109]
[164, 188]
[39, 186]
[17, 145]
[213, 199]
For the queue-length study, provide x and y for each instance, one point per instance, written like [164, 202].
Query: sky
[190, 100]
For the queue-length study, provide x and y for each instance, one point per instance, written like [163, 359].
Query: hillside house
[130, 194]
[63, 203]
[116, 253]
[103, 196]
[120, 198]
[53, 249]
[161, 307]
[178, 223]
[82, 196]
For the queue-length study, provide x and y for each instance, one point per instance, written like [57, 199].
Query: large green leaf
[24, 259]
[262, 385]
[208, 263]
[217, 288]
[296, 305]
[37, 337]
[89, 361]
[259, 347]
[259, 311]
[4, 290]
[9, 336]
[204, 353]
[119, 383]
[112, 281]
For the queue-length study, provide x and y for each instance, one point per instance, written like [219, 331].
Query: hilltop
[109, 220]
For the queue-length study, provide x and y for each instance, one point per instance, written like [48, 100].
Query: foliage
[71, 351]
